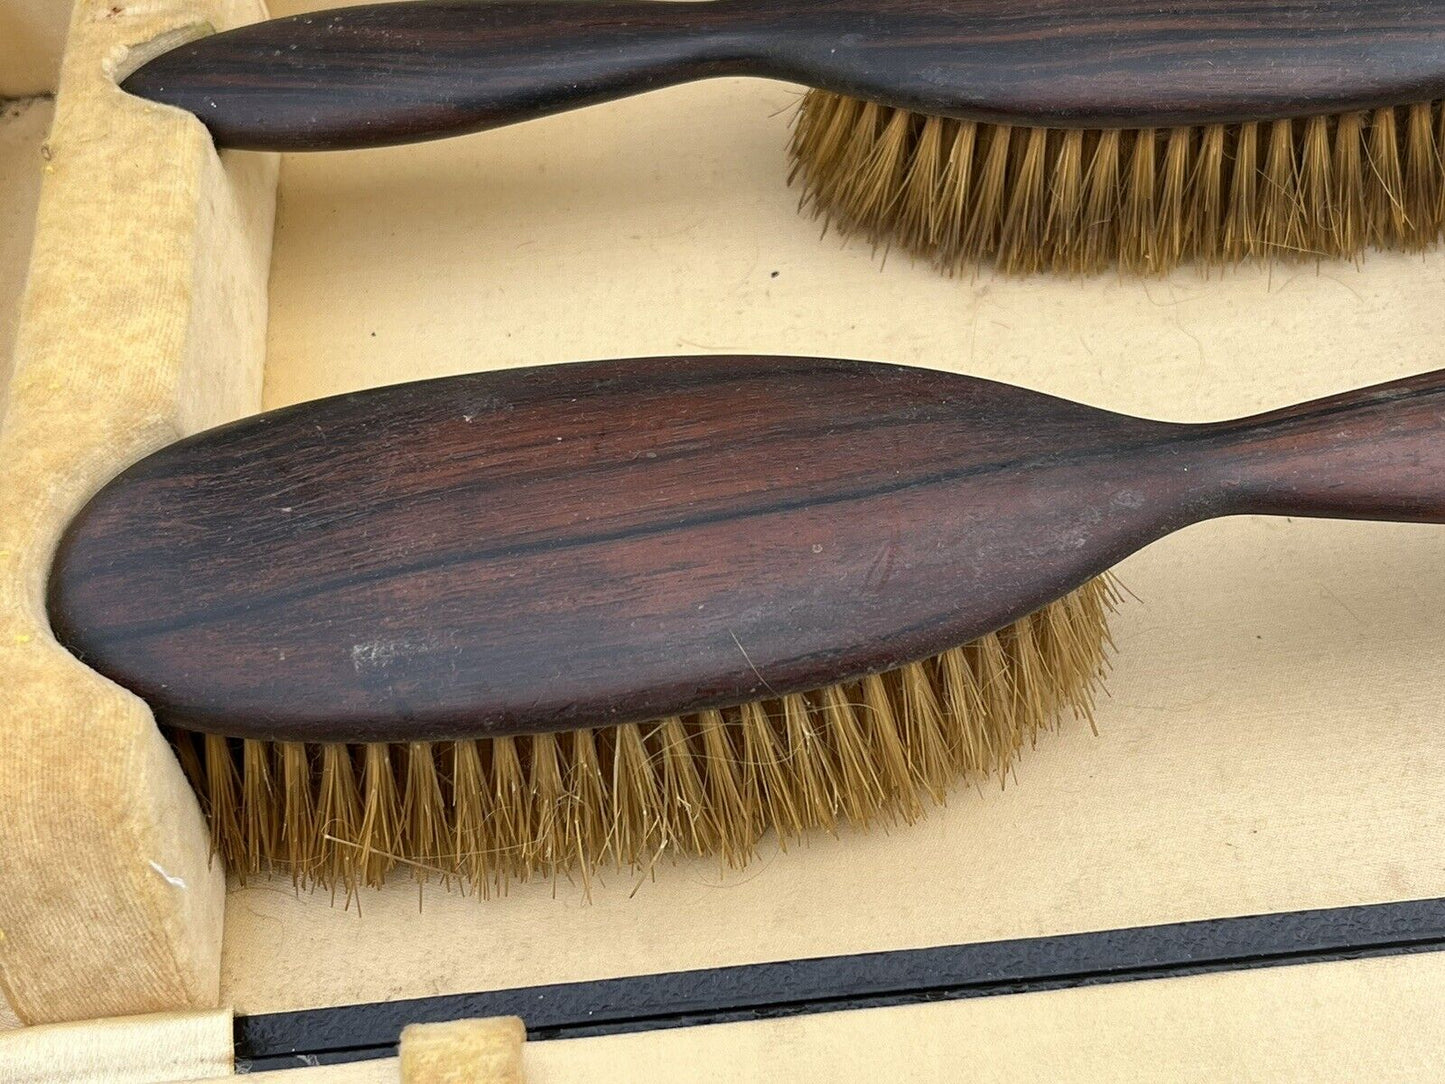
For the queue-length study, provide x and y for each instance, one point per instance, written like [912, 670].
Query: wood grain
[545, 548]
[393, 73]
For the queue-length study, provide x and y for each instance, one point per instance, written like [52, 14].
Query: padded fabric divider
[23, 127]
[154, 1049]
[143, 319]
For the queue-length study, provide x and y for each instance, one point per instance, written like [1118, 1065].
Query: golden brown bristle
[1034, 199]
[489, 811]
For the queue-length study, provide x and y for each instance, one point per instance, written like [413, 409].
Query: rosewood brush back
[571, 545]
[552, 547]
[391, 73]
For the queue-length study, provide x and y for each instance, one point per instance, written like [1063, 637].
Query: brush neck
[1375, 454]
[1121, 64]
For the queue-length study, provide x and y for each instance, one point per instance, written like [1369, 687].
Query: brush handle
[1372, 454]
[541, 549]
[393, 73]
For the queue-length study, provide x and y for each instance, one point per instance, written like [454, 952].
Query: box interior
[1271, 738]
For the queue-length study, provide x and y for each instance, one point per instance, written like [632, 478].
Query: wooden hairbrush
[1048, 135]
[527, 619]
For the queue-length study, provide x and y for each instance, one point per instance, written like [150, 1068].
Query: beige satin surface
[1374, 1020]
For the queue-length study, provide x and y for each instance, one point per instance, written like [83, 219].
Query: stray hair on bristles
[483, 813]
[1073, 201]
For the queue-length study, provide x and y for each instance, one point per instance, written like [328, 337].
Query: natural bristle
[1025, 200]
[489, 811]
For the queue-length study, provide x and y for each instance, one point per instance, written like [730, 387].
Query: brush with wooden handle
[1050, 135]
[526, 620]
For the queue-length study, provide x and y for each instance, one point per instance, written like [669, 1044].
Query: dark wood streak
[395, 73]
[552, 547]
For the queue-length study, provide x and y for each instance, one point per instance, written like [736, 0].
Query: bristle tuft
[587, 805]
[472, 846]
[1423, 175]
[378, 841]
[509, 812]
[222, 798]
[636, 800]
[1138, 230]
[688, 823]
[1281, 217]
[423, 812]
[736, 820]
[338, 821]
[487, 812]
[298, 837]
[259, 807]
[1077, 202]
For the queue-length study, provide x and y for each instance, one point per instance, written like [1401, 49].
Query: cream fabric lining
[155, 1049]
[32, 36]
[1375, 1020]
[143, 319]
